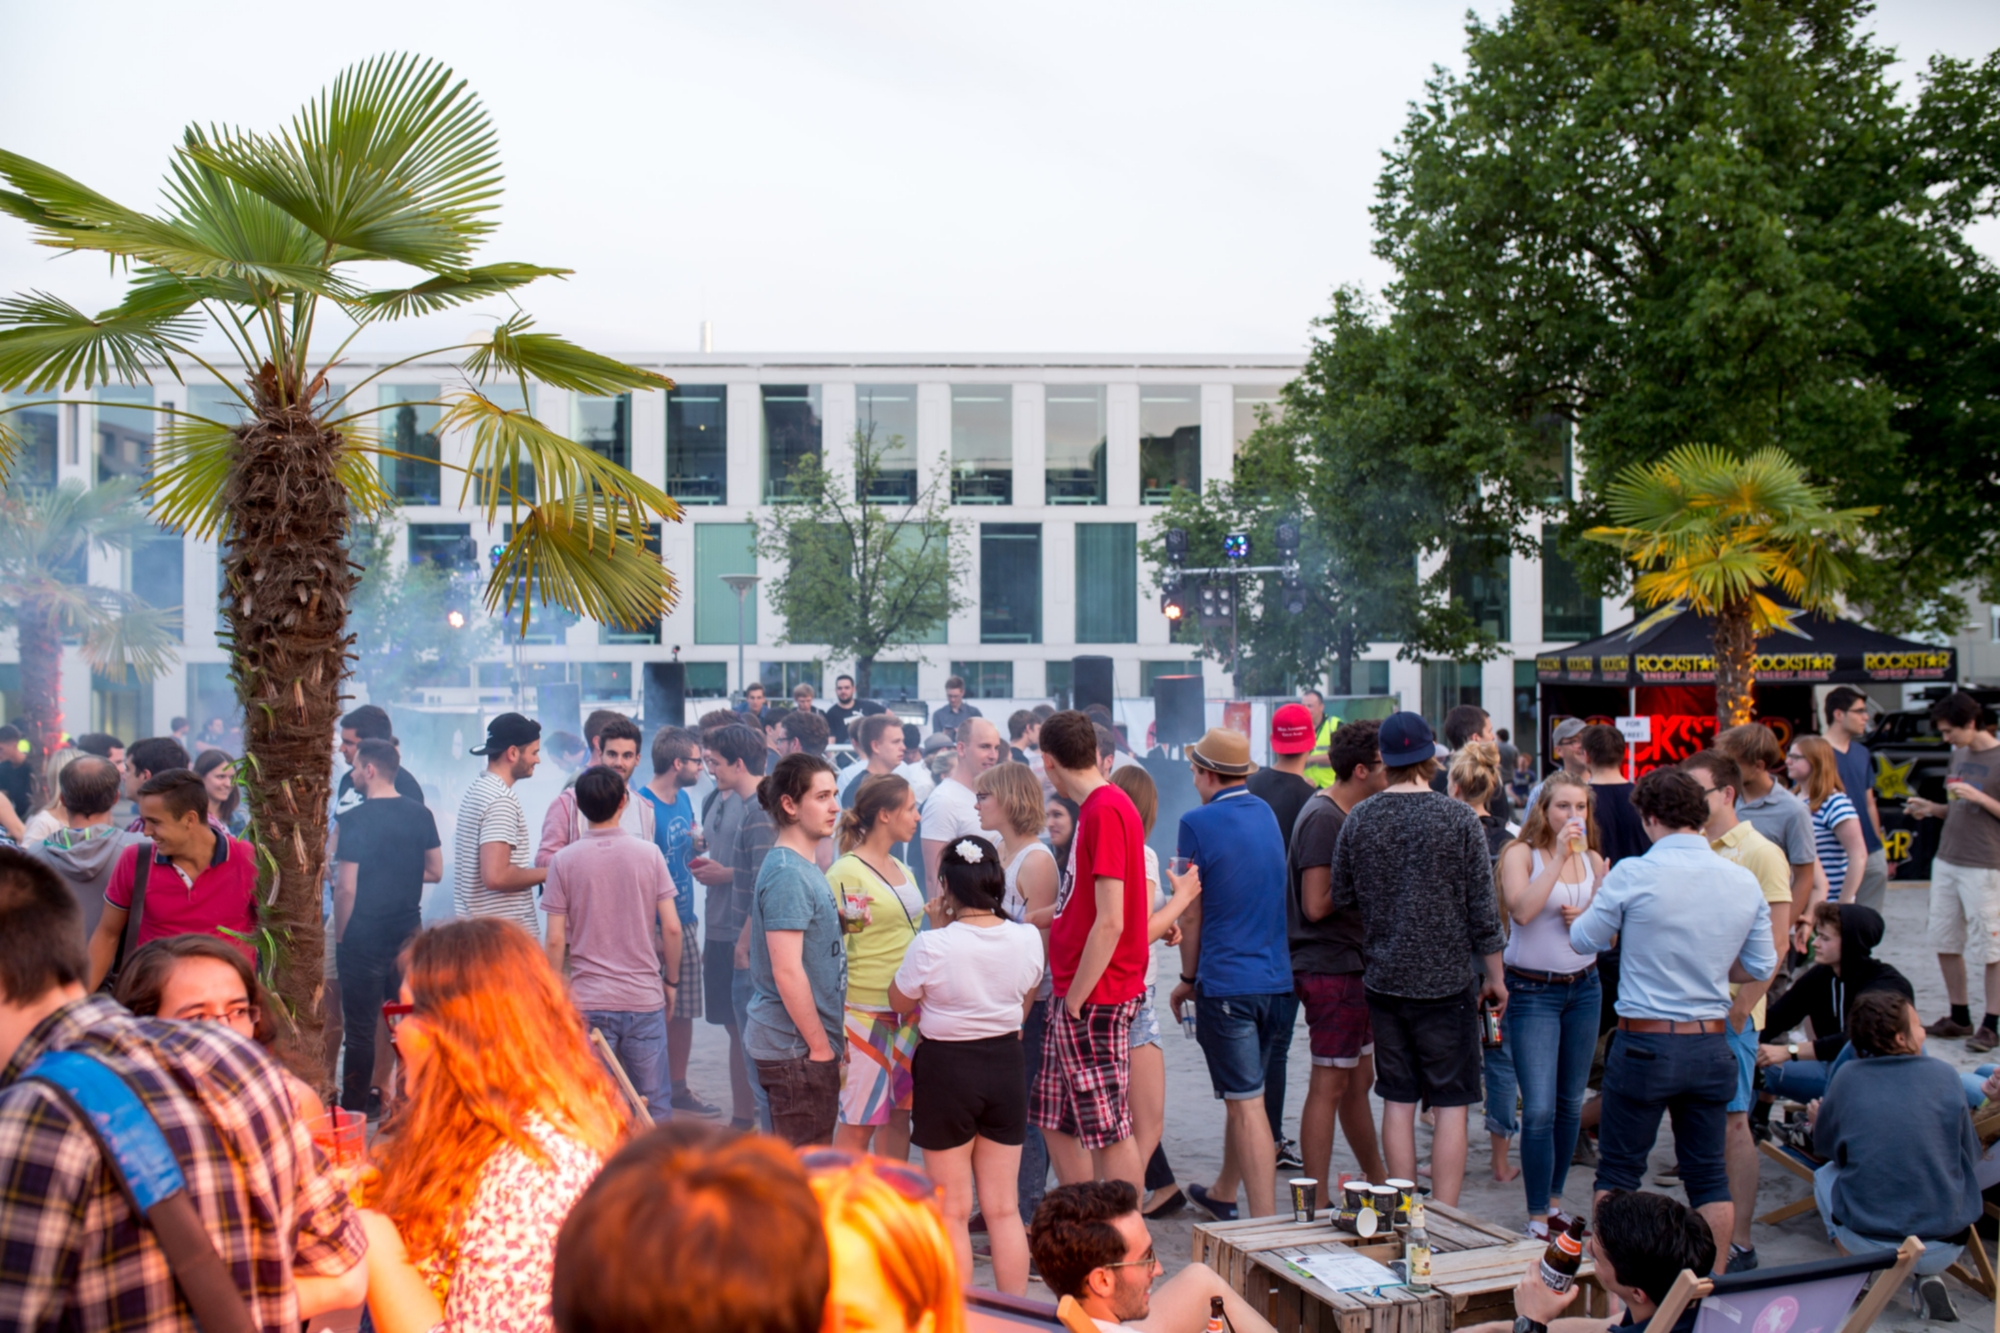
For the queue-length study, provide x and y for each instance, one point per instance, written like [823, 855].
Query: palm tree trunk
[41, 687]
[1735, 665]
[287, 585]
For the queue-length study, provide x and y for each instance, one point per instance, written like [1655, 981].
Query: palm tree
[1717, 534]
[46, 537]
[267, 241]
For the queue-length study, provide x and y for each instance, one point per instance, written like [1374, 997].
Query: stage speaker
[666, 696]
[1090, 682]
[559, 707]
[1180, 715]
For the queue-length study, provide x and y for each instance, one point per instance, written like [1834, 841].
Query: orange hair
[506, 1044]
[1824, 779]
[907, 1237]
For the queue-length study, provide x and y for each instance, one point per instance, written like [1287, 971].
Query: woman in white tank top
[1547, 877]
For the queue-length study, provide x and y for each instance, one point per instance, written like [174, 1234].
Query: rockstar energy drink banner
[1795, 668]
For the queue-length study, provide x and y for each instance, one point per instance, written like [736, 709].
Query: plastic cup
[1305, 1198]
[1178, 865]
[342, 1138]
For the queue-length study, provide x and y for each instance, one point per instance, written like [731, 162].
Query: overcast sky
[836, 175]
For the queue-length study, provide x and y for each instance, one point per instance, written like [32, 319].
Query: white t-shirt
[490, 812]
[1158, 900]
[953, 812]
[972, 980]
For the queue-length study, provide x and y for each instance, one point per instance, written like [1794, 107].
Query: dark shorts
[1237, 1035]
[718, 974]
[1084, 1088]
[805, 1098]
[968, 1089]
[1427, 1050]
[1336, 1006]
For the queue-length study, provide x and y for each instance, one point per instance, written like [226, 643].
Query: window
[1077, 443]
[892, 680]
[1010, 583]
[1372, 676]
[781, 678]
[1479, 583]
[1527, 709]
[1446, 685]
[1569, 613]
[1060, 676]
[607, 681]
[37, 427]
[218, 403]
[723, 548]
[1150, 672]
[121, 706]
[158, 563]
[505, 675]
[414, 478]
[603, 426]
[125, 424]
[885, 422]
[647, 632]
[986, 680]
[707, 680]
[791, 433]
[1107, 583]
[1252, 402]
[1169, 442]
[448, 546]
[698, 444]
[982, 444]
[519, 473]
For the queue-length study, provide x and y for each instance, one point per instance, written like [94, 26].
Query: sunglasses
[907, 1181]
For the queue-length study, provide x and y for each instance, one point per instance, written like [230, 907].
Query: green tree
[269, 240]
[405, 636]
[1679, 220]
[860, 575]
[1716, 534]
[46, 537]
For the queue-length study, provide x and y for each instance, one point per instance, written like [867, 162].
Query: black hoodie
[1827, 999]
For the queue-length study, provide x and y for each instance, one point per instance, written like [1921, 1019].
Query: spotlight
[1177, 546]
[1236, 547]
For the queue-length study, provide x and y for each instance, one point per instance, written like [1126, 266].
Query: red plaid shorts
[1086, 1076]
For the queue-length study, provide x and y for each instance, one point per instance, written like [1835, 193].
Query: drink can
[1489, 1025]
[1305, 1198]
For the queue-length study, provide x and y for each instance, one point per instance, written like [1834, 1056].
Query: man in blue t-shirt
[1846, 724]
[676, 768]
[1236, 963]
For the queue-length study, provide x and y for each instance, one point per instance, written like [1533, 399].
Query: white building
[1056, 465]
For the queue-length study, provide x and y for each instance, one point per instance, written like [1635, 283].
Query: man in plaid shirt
[73, 1254]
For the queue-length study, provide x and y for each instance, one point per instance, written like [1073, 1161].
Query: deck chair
[1818, 1293]
[990, 1312]
[1979, 1275]
[1799, 1165]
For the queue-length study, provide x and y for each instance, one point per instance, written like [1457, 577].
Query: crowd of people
[950, 944]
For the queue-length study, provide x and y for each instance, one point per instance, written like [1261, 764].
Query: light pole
[741, 584]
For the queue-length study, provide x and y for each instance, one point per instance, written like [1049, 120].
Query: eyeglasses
[242, 1011]
[1147, 1260]
[393, 1013]
[907, 1181]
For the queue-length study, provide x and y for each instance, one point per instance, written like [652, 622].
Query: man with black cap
[494, 867]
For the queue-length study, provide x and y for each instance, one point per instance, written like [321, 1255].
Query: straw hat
[1223, 751]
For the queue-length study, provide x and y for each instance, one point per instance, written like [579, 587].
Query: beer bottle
[1417, 1251]
[1563, 1257]
[1215, 1320]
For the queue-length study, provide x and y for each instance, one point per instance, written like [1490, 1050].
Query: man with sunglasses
[1090, 1244]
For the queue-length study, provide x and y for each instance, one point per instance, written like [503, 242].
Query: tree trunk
[864, 667]
[1735, 665]
[1343, 671]
[40, 639]
[287, 586]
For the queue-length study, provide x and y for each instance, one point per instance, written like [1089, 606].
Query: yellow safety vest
[1319, 770]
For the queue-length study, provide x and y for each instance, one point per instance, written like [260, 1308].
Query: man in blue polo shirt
[1236, 962]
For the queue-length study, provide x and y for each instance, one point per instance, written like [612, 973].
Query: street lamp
[740, 584]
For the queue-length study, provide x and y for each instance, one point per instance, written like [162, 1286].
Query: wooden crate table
[1474, 1267]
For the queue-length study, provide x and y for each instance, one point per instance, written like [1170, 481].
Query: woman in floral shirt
[509, 1118]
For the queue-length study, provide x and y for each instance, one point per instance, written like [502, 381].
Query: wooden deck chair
[990, 1312]
[1799, 1165]
[1819, 1292]
[1979, 1277]
[633, 1101]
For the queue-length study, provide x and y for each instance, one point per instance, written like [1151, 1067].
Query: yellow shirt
[1319, 771]
[876, 951]
[1760, 856]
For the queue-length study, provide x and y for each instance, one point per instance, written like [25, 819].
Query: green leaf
[126, 632]
[572, 553]
[562, 467]
[514, 353]
[449, 289]
[192, 457]
[47, 343]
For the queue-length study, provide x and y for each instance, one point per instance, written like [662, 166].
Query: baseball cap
[508, 730]
[1568, 730]
[1291, 730]
[1406, 739]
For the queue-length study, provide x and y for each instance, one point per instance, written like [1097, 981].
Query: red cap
[1292, 730]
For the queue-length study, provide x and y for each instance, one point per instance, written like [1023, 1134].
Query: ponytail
[874, 797]
[791, 779]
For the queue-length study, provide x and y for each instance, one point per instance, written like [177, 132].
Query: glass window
[37, 429]
[159, 561]
[125, 425]
[117, 704]
[508, 398]
[707, 680]
[885, 420]
[217, 403]
[781, 678]
[412, 432]
[604, 426]
[210, 694]
[1077, 443]
[648, 632]
[982, 444]
[1010, 583]
[1570, 614]
[723, 548]
[698, 444]
[1107, 583]
[1480, 584]
[607, 681]
[1252, 401]
[1152, 671]
[791, 433]
[986, 680]
[1446, 685]
[1169, 442]
[1527, 709]
[445, 545]
[1375, 678]
[892, 680]
[1059, 677]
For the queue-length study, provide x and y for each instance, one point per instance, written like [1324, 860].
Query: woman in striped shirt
[1836, 825]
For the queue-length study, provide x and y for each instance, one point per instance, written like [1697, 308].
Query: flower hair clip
[970, 852]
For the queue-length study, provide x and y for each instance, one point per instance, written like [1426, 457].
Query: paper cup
[1305, 1198]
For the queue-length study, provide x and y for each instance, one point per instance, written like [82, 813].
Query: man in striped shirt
[495, 873]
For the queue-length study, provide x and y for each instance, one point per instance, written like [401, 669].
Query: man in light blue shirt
[1691, 923]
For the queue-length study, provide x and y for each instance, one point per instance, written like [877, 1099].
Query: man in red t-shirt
[1097, 961]
[200, 881]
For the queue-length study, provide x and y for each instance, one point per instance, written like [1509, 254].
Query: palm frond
[571, 553]
[191, 462]
[512, 352]
[47, 343]
[502, 439]
[395, 160]
[126, 632]
[449, 289]
[368, 500]
[11, 444]
[254, 241]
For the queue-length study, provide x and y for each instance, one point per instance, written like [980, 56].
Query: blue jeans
[1503, 1087]
[1649, 1074]
[1938, 1255]
[1803, 1080]
[1551, 1034]
[739, 1001]
[639, 1041]
[1236, 1034]
[1975, 1085]
[1033, 1177]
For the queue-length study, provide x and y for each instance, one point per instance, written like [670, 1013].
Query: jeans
[368, 977]
[739, 1002]
[1938, 1255]
[804, 1098]
[1033, 1177]
[1690, 1077]
[1551, 1035]
[1975, 1085]
[1503, 1085]
[1237, 1033]
[639, 1041]
[1803, 1080]
[1274, 1077]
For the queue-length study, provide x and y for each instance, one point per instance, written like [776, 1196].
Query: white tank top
[1017, 906]
[1542, 945]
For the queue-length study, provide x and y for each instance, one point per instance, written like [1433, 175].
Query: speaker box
[665, 696]
[1090, 682]
[1179, 713]
[559, 707]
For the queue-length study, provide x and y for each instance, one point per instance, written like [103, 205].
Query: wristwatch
[1792, 1051]
[1523, 1324]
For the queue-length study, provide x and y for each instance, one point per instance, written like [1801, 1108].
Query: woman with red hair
[508, 1119]
[891, 1258]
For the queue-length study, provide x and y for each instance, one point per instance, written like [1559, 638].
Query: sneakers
[685, 1100]
[1214, 1207]
[1288, 1155]
[1741, 1260]
[1949, 1027]
[1983, 1040]
[1933, 1301]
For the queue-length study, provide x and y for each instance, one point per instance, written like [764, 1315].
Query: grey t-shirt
[1783, 819]
[724, 817]
[1331, 945]
[792, 894]
[1971, 836]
